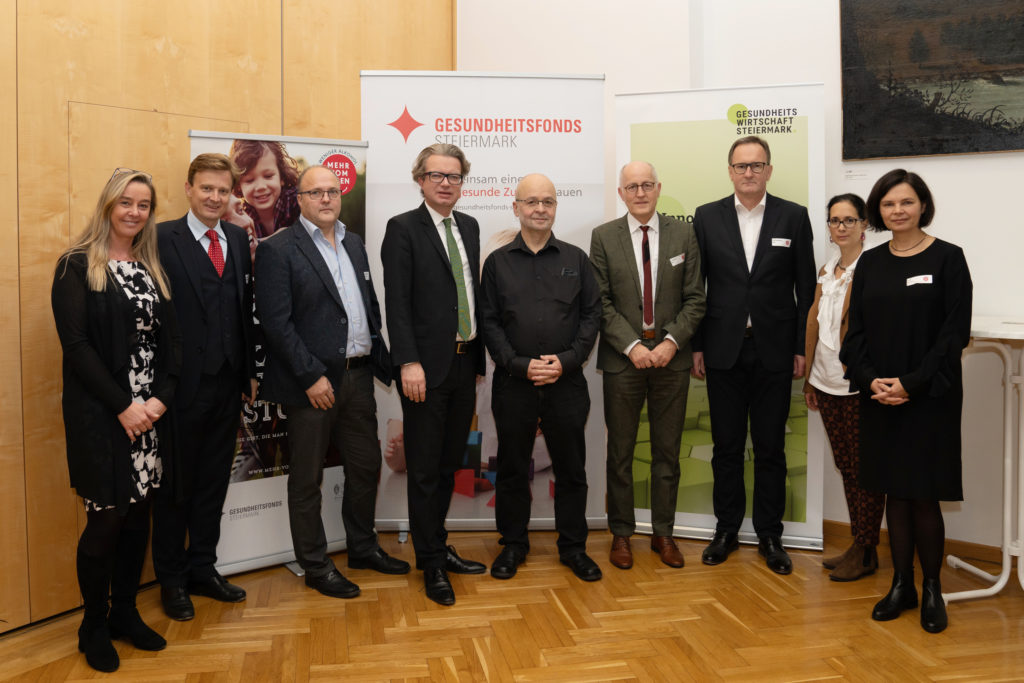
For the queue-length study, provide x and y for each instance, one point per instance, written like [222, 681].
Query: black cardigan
[97, 333]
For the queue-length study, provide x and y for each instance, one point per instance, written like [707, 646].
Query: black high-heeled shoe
[902, 596]
[933, 607]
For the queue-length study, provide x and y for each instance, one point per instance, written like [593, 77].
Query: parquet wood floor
[734, 622]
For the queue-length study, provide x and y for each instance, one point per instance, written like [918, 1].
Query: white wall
[708, 43]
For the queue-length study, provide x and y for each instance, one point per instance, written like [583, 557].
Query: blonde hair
[94, 241]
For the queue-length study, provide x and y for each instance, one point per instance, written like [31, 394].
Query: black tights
[915, 523]
[111, 552]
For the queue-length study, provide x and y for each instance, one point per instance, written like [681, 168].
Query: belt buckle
[649, 334]
[461, 347]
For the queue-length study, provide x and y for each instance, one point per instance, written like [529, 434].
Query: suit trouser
[435, 433]
[560, 411]
[664, 389]
[207, 432]
[350, 425]
[749, 389]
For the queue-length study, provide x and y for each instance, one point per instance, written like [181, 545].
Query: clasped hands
[139, 417]
[658, 357]
[888, 391]
[544, 370]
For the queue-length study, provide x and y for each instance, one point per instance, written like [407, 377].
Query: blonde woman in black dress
[111, 304]
[910, 319]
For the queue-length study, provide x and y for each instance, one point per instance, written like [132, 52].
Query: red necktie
[217, 254]
[648, 289]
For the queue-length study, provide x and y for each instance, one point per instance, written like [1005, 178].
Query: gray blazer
[678, 293]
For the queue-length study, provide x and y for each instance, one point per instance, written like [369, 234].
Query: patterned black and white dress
[138, 286]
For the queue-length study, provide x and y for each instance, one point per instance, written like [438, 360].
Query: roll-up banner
[254, 526]
[508, 125]
[687, 135]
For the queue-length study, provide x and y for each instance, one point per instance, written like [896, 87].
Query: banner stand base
[294, 568]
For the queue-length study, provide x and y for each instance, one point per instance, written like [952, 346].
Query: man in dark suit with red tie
[758, 262]
[208, 264]
[431, 259]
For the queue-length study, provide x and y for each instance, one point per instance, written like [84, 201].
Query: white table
[1004, 336]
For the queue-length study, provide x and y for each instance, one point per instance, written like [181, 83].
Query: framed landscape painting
[932, 77]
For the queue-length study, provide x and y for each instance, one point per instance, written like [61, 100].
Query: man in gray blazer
[321, 321]
[652, 298]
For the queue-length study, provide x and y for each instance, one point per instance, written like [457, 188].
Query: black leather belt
[357, 362]
[748, 333]
[464, 347]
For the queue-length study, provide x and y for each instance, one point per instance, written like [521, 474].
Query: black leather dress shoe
[775, 556]
[722, 544]
[218, 588]
[379, 561]
[582, 566]
[177, 604]
[933, 607]
[333, 585]
[457, 565]
[507, 562]
[901, 596]
[439, 588]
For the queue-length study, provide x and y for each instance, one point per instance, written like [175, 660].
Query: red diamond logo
[405, 124]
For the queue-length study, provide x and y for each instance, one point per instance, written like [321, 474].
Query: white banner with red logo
[508, 125]
[254, 526]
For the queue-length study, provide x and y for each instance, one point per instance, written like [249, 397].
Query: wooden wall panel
[102, 84]
[14, 604]
[326, 46]
[107, 83]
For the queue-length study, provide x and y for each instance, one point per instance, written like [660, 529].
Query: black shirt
[538, 304]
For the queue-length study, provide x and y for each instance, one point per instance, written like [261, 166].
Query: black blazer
[776, 292]
[303, 319]
[97, 333]
[180, 259]
[420, 297]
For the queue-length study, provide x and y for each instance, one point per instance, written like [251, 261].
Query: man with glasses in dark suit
[431, 259]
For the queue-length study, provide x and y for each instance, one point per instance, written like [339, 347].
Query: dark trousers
[350, 425]
[664, 390]
[207, 434]
[435, 433]
[841, 417]
[560, 411]
[749, 390]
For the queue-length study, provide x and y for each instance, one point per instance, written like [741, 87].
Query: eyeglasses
[315, 195]
[633, 187]
[849, 223]
[437, 176]
[533, 203]
[122, 170]
[756, 167]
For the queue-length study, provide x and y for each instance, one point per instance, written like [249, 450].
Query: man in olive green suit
[652, 295]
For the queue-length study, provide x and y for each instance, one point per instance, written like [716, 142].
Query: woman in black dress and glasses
[111, 304]
[910, 319]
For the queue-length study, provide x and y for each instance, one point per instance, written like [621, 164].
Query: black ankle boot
[93, 634]
[902, 595]
[125, 621]
[933, 607]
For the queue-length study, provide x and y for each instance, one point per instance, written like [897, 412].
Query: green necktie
[465, 324]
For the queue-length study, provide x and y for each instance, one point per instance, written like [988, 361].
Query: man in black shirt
[540, 314]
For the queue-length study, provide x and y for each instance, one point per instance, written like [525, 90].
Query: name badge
[781, 242]
[919, 280]
[366, 275]
[676, 260]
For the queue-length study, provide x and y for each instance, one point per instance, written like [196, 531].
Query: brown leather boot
[861, 562]
[834, 561]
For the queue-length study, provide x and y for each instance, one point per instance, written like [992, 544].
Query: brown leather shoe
[666, 547]
[621, 556]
